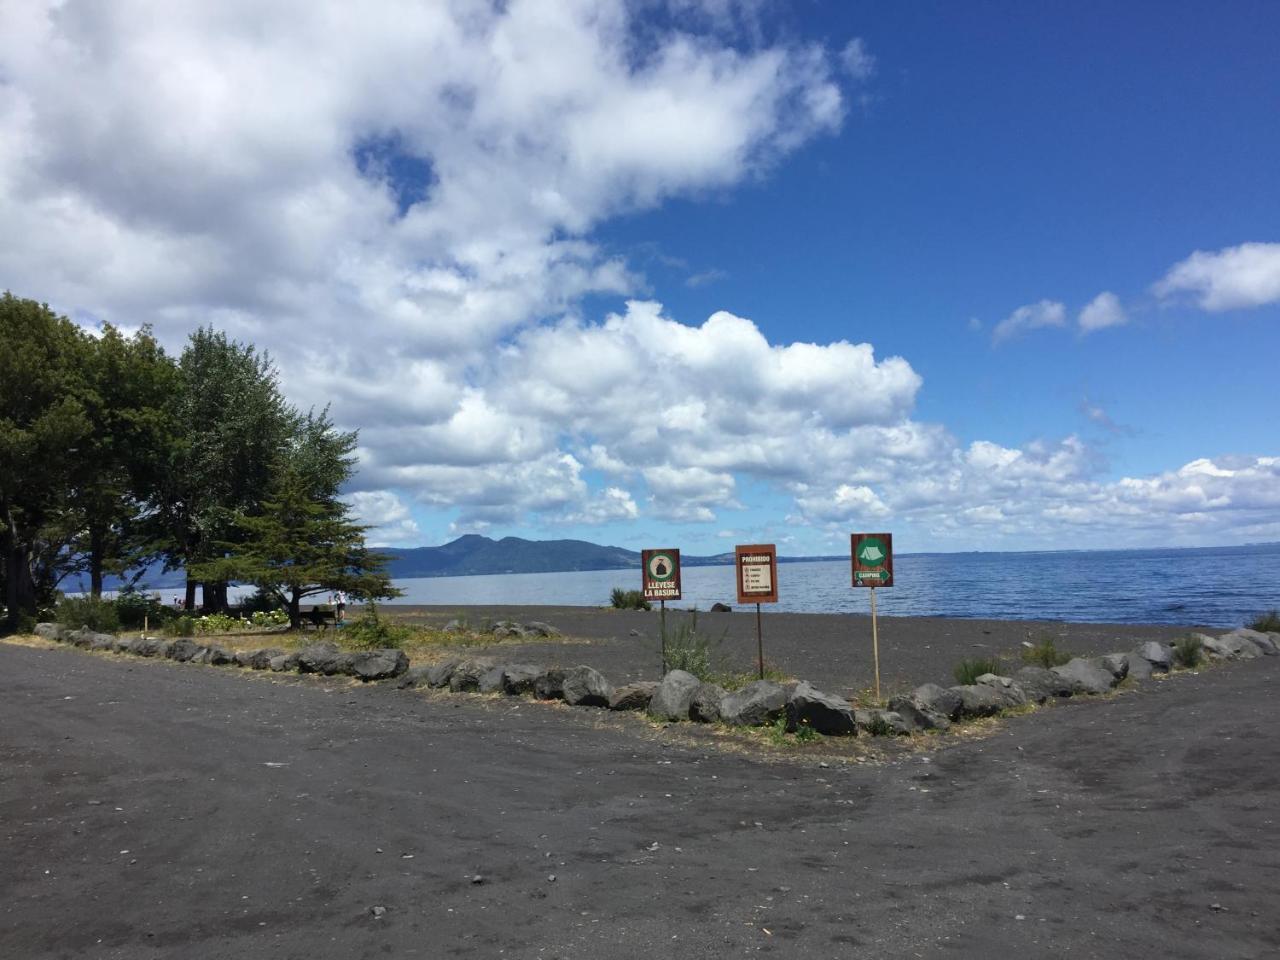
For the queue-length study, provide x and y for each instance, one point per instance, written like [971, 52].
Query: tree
[129, 383]
[301, 541]
[42, 426]
[232, 425]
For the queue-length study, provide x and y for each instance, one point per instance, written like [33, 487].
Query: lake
[1223, 586]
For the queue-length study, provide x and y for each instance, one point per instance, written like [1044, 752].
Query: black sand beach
[831, 651]
[151, 810]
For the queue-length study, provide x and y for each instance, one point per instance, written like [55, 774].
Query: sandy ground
[833, 652]
[152, 809]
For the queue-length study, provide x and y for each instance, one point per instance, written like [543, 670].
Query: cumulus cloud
[1102, 311]
[1232, 278]
[1031, 316]
[386, 515]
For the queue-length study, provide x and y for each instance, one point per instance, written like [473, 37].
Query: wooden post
[759, 642]
[144, 626]
[875, 642]
[662, 626]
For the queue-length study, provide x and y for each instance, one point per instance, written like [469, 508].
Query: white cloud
[386, 515]
[1247, 275]
[857, 60]
[1031, 316]
[1102, 311]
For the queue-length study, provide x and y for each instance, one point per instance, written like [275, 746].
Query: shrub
[968, 671]
[628, 600]
[134, 608]
[1268, 622]
[97, 615]
[370, 631]
[269, 618]
[183, 626]
[880, 727]
[218, 623]
[1188, 651]
[261, 601]
[1045, 654]
[691, 650]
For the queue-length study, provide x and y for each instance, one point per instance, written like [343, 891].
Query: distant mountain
[474, 554]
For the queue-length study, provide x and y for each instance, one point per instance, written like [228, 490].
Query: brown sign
[872, 555]
[757, 566]
[660, 574]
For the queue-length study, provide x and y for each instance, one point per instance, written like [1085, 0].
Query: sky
[691, 273]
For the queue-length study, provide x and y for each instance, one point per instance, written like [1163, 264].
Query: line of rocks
[680, 696]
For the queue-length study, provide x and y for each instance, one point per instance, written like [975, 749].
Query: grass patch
[1044, 654]
[690, 649]
[968, 671]
[1188, 652]
[621, 599]
[1268, 622]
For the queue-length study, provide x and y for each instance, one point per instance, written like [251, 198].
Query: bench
[319, 618]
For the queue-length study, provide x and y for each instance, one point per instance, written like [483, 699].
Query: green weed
[1045, 654]
[968, 671]
[1188, 652]
[1268, 622]
[628, 600]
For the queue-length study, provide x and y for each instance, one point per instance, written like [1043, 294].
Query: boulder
[142, 646]
[119, 644]
[285, 662]
[102, 642]
[466, 675]
[586, 687]
[1117, 663]
[1268, 643]
[756, 704]
[549, 684]
[829, 715]
[927, 707]
[51, 631]
[705, 705]
[491, 682]
[1230, 646]
[1008, 689]
[673, 696]
[881, 722]
[413, 677]
[1040, 684]
[1159, 656]
[1086, 676]
[979, 700]
[508, 629]
[324, 658]
[220, 656]
[382, 664]
[454, 626]
[721, 608]
[1139, 668]
[183, 650]
[633, 696]
[538, 628]
[258, 659]
[519, 678]
[439, 674]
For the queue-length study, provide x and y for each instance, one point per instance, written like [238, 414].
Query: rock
[541, 629]
[51, 631]
[1159, 656]
[491, 682]
[633, 696]
[102, 642]
[721, 608]
[549, 684]
[1086, 676]
[413, 677]
[1041, 684]
[120, 644]
[1230, 646]
[455, 626]
[378, 912]
[881, 722]
[466, 675]
[673, 696]
[828, 714]
[519, 678]
[586, 687]
[1117, 663]
[704, 707]
[979, 700]
[286, 662]
[439, 674]
[324, 658]
[756, 704]
[506, 629]
[1009, 690]
[928, 707]
[382, 664]
[1139, 668]
[184, 650]
[261, 659]
[142, 647]
[1268, 643]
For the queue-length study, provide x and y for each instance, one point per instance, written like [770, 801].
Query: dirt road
[152, 809]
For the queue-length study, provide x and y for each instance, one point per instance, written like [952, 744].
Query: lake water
[1212, 587]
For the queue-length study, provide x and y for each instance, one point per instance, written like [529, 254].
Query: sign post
[872, 557]
[660, 580]
[757, 566]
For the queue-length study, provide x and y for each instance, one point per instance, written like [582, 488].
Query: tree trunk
[295, 609]
[189, 601]
[20, 593]
[215, 597]
[95, 562]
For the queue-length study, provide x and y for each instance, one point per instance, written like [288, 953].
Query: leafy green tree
[128, 386]
[301, 541]
[43, 425]
[232, 425]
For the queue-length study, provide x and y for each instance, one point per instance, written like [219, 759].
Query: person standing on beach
[340, 607]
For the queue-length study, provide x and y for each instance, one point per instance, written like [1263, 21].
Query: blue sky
[460, 230]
